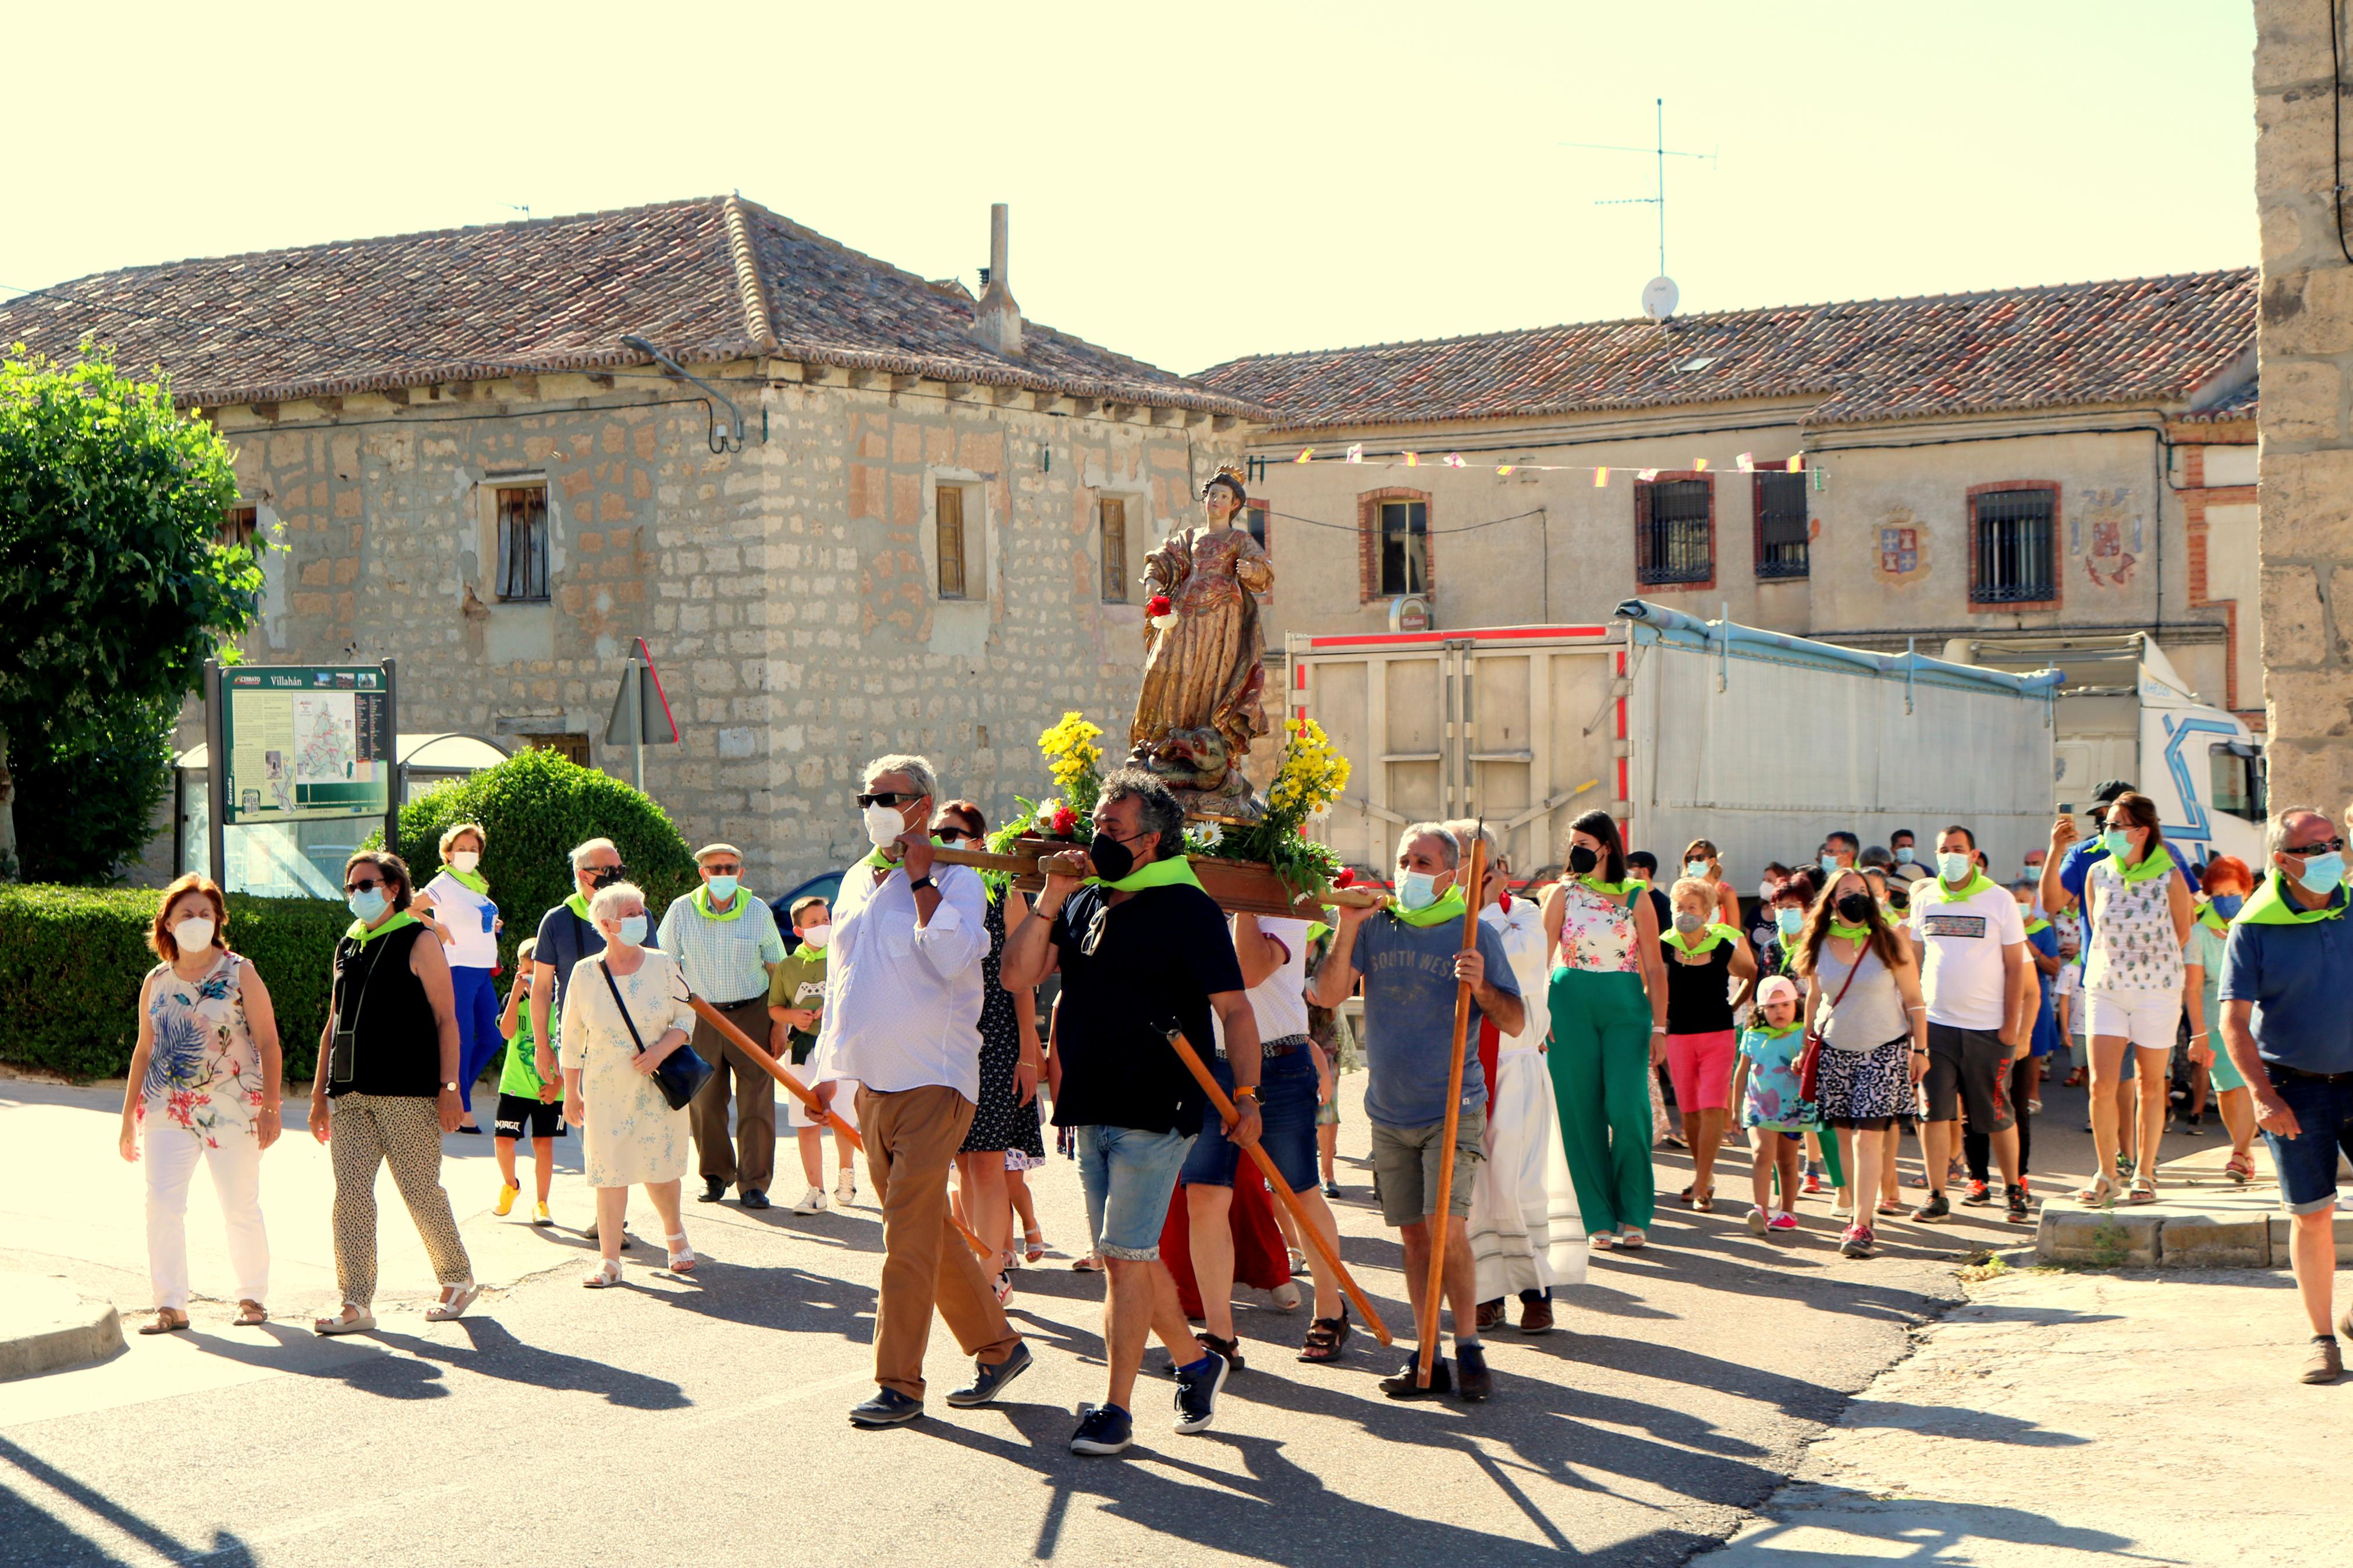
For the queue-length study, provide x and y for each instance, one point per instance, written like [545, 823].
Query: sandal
[1326, 1337]
[2100, 1195]
[250, 1315]
[681, 1257]
[451, 1307]
[339, 1324]
[607, 1274]
[1090, 1264]
[1602, 1240]
[166, 1322]
[1705, 1202]
[1631, 1239]
[2144, 1191]
[1684, 1198]
[1033, 1245]
[2239, 1168]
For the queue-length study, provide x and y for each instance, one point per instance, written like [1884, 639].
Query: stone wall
[787, 591]
[2306, 441]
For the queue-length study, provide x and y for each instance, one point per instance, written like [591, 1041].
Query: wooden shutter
[1111, 514]
[950, 504]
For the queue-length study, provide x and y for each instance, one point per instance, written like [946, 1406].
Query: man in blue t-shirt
[1411, 957]
[2290, 1034]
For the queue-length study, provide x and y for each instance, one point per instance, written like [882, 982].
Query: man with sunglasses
[2290, 1034]
[1139, 946]
[902, 1021]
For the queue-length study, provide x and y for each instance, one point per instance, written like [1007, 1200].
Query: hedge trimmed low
[71, 960]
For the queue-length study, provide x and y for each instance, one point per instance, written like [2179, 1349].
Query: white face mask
[193, 934]
[464, 861]
[883, 825]
[817, 937]
[1696, 869]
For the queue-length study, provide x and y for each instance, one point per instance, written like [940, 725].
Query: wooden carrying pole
[842, 1129]
[1275, 1183]
[1442, 1223]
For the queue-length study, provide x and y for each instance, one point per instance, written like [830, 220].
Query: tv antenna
[1659, 295]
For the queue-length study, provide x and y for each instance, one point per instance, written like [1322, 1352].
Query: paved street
[552, 1423]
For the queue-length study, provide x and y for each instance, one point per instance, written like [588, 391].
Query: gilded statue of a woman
[1204, 678]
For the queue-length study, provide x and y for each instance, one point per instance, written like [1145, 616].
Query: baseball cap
[1780, 988]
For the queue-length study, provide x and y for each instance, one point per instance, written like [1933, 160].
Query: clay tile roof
[2068, 344]
[2237, 405]
[705, 279]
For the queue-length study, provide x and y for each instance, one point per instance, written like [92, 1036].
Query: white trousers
[170, 1155]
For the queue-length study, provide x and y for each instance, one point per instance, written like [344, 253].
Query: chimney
[997, 320]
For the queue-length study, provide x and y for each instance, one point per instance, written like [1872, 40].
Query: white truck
[1681, 729]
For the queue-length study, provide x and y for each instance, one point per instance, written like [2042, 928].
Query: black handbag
[681, 1075]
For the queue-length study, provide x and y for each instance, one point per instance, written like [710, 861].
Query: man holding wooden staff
[1413, 961]
[902, 1018]
[1138, 944]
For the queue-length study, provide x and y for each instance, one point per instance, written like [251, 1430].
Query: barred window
[523, 543]
[1781, 525]
[2015, 536]
[1674, 531]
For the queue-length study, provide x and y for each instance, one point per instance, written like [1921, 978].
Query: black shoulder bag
[682, 1074]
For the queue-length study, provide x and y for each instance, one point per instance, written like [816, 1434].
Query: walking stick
[807, 1097]
[1324, 1249]
[1442, 1224]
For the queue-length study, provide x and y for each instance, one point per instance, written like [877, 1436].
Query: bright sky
[1189, 183]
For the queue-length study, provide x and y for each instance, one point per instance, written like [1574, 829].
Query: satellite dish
[1659, 297]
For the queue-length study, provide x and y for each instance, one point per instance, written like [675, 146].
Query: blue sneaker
[1102, 1429]
[989, 1380]
[1196, 1392]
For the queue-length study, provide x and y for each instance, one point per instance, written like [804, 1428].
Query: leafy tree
[115, 583]
[89, 807]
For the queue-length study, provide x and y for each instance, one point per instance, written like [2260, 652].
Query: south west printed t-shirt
[1163, 953]
[1961, 942]
[1410, 985]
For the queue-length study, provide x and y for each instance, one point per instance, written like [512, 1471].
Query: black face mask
[1111, 858]
[1854, 907]
[1582, 858]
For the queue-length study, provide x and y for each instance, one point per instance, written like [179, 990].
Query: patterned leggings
[404, 1132]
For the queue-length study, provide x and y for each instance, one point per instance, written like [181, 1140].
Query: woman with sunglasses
[386, 1088]
[1006, 1120]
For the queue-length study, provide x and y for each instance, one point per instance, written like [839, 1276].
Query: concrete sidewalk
[2061, 1417]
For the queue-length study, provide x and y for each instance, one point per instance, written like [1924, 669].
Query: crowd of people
[1877, 992]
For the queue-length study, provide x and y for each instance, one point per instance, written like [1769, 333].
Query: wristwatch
[915, 883]
[449, 1088]
[1247, 1091]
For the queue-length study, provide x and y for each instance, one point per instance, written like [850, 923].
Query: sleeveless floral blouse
[2132, 947]
[203, 1077]
[1597, 933]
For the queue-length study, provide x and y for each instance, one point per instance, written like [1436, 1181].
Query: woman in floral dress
[204, 1084]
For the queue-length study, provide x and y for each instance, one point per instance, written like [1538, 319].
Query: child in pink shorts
[1705, 961]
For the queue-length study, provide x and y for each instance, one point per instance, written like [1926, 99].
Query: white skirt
[1525, 1231]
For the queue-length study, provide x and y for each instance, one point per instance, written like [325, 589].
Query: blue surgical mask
[369, 906]
[633, 930]
[1954, 866]
[2322, 873]
[1903, 855]
[1416, 889]
[2227, 905]
[723, 887]
[1696, 869]
[1789, 923]
[1830, 865]
[2116, 842]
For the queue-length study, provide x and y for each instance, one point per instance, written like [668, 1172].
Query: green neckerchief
[1715, 934]
[882, 862]
[361, 934]
[472, 879]
[1317, 931]
[1770, 1033]
[1977, 883]
[2269, 906]
[1177, 873]
[578, 905]
[1846, 932]
[701, 896]
[1611, 890]
[2033, 926]
[2211, 918]
[2156, 863]
[1449, 908]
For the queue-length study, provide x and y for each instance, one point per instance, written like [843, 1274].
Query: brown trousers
[911, 1137]
[749, 1163]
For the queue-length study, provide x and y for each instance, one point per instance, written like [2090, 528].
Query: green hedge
[71, 960]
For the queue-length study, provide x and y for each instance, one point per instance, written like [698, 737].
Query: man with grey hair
[2290, 1034]
[902, 1020]
[1412, 958]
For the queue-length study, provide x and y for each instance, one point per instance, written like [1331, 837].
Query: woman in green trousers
[1609, 999]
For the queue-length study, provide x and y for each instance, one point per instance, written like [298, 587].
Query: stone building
[2021, 464]
[877, 514]
[2307, 434]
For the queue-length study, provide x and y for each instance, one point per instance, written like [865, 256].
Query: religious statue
[1204, 671]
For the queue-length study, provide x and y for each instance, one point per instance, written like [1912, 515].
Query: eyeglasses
[1095, 928]
[367, 887]
[887, 797]
[2319, 847]
[955, 835]
[725, 870]
[603, 876]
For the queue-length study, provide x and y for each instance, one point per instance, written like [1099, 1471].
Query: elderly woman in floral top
[203, 1084]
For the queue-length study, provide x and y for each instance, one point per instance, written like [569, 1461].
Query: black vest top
[398, 1050]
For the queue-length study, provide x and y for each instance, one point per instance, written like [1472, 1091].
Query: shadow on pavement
[34, 1534]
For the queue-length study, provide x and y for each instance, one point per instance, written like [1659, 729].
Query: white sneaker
[844, 1188]
[1285, 1296]
[812, 1201]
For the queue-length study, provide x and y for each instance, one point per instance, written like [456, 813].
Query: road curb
[2128, 1238]
[48, 1327]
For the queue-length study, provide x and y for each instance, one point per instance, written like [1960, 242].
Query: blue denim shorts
[1286, 1109]
[1129, 1176]
[2306, 1163]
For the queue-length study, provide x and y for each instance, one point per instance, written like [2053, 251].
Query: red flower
[1159, 605]
[1065, 822]
[1345, 879]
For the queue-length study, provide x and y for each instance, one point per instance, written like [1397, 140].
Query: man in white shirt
[903, 1019]
[1980, 987]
